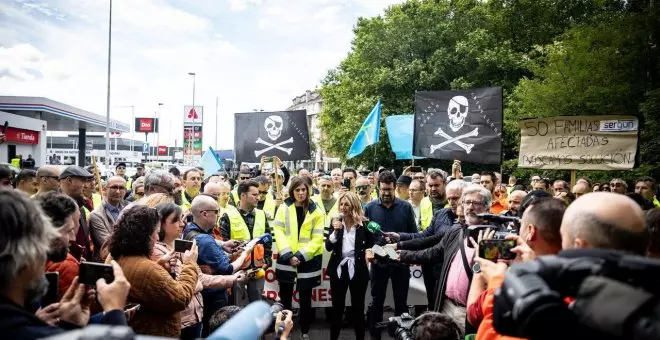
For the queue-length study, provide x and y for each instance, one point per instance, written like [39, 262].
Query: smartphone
[180, 246]
[53, 279]
[347, 183]
[497, 249]
[76, 251]
[473, 231]
[90, 272]
[415, 169]
[131, 306]
[4, 128]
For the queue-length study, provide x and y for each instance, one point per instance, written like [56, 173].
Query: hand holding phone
[347, 183]
[494, 249]
[90, 272]
[53, 287]
[180, 246]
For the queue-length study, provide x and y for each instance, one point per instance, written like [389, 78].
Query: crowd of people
[53, 220]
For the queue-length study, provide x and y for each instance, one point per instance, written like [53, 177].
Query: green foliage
[552, 57]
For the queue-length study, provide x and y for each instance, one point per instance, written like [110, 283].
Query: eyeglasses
[361, 187]
[215, 211]
[117, 188]
[474, 203]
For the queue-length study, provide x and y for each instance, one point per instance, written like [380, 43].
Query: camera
[398, 327]
[616, 297]
[509, 223]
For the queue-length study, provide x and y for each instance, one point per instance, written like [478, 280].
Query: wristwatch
[476, 268]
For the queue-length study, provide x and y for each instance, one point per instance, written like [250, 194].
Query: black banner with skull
[283, 134]
[464, 125]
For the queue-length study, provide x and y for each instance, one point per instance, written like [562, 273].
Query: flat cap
[75, 171]
[406, 180]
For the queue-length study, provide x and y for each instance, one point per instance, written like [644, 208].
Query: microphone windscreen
[340, 216]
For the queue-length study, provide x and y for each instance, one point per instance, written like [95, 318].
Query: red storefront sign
[22, 136]
[162, 150]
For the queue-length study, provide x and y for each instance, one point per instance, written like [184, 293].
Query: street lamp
[192, 133]
[107, 105]
[160, 105]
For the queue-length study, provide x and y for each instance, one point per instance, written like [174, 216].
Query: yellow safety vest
[269, 206]
[16, 162]
[239, 231]
[129, 183]
[656, 202]
[87, 212]
[334, 211]
[374, 194]
[185, 205]
[308, 243]
[97, 200]
[426, 209]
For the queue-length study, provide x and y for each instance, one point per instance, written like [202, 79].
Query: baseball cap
[405, 180]
[75, 171]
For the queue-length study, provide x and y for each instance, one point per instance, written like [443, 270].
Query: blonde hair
[153, 200]
[356, 206]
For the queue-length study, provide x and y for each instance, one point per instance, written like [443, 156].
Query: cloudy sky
[250, 54]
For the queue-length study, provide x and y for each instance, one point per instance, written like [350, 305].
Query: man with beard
[104, 217]
[393, 215]
[515, 200]
[363, 189]
[72, 182]
[435, 186]
[63, 213]
[24, 247]
[489, 180]
[450, 256]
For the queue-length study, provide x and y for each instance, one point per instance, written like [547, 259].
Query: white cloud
[250, 54]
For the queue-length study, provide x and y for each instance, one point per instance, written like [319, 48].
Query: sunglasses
[361, 187]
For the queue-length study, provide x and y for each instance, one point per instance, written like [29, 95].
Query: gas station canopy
[59, 116]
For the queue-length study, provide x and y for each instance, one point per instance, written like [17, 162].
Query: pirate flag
[464, 125]
[283, 134]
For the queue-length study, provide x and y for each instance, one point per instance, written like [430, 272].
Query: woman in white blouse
[347, 267]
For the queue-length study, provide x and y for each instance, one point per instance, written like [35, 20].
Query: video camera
[616, 297]
[510, 223]
[398, 327]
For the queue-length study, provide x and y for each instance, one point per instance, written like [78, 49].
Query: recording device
[4, 127]
[500, 232]
[398, 327]
[180, 246]
[616, 297]
[347, 183]
[90, 272]
[415, 169]
[495, 249]
[257, 315]
[53, 279]
[511, 223]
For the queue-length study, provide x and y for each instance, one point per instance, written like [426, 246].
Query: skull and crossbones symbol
[457, 111]
[274, 125]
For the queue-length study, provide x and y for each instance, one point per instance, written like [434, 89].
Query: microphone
[374, 228]
[265, 238]
[340, 217]
[249, 324]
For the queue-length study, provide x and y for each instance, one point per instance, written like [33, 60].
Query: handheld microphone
[249, 324]
[265, 238]
[374, 228]
[340, 217]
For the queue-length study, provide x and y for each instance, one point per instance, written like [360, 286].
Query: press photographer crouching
[26, 236]
[229, 322]
[428, 326]
[451, 256]
[614, 222]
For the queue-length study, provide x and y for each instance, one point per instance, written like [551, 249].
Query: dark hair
[563, 183]
[435, 326]
[349, 170]
[120, 164]
[232, 182]
[132, 235]
[492, 175]
[262, 180]
[653, 227]
[165, 210]
[547, 213]
[24, 175]
[386, 177]
[221, 316]
[647, 179]
[5, 172]
[297, 181]
[244, 187]
[639, 199]
[200, 168]
[175, 171]
[185, 174]
[434, 174]
[58, 207]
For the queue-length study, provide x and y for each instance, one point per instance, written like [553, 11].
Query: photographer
[615, 223]
[451, 256]
[282, 321]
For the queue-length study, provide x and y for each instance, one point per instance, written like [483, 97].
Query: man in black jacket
[27, 234]
[450, 256]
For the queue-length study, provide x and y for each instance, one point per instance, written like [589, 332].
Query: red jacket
[68, 270]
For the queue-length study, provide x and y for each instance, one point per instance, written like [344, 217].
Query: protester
[580, 189]
[436, 326]
[26, 181]
[639, 199]
[29, 163]
[192, 186]
[27, 236]
[436, 200]
[393, 215]
[653, 226]
[161, 297]
[104, 217]
[72, 181]
[489, 181]
[559, 186]
[645, 186]
[618, 186]
[347, 267]
[336, 176]
[416, 195]
[363, 189]
[6, 177]
[268, 202]
[48, 179]
[403, 187]
[351, 175]
[298, 229]
[120, 170]
[514, 200]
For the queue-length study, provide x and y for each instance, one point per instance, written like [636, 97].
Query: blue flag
[210, 163]
[400, 132]
[368, 134]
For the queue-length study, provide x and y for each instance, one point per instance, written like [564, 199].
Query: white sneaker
[304, 337]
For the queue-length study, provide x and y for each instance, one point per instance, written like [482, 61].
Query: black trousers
[429, 284]
[358, 288]
[307, 314]
[380, 276]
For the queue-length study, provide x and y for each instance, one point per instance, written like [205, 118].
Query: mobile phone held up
[4, 127]
[347, 183]
[180, 246]
[53, 287]
[494, 249]
[90, 272]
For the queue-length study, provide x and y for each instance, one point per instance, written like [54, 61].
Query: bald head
[205, 211]
[581, 188]
[47, 178]
[613, 222]
[515, 199]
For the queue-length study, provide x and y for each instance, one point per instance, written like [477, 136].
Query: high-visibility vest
[234, 194]
[269, 206]
[87, 212]
[426, 210]
[374, 194]
[239, 231]
[185, 204]
[16, 162]
[97, 200]
[308, 242]
[334, 211]
[656, 202]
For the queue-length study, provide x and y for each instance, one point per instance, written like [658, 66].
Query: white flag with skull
[283, 134]
[463, 125]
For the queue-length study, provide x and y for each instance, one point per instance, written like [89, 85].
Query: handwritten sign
[579, 143]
